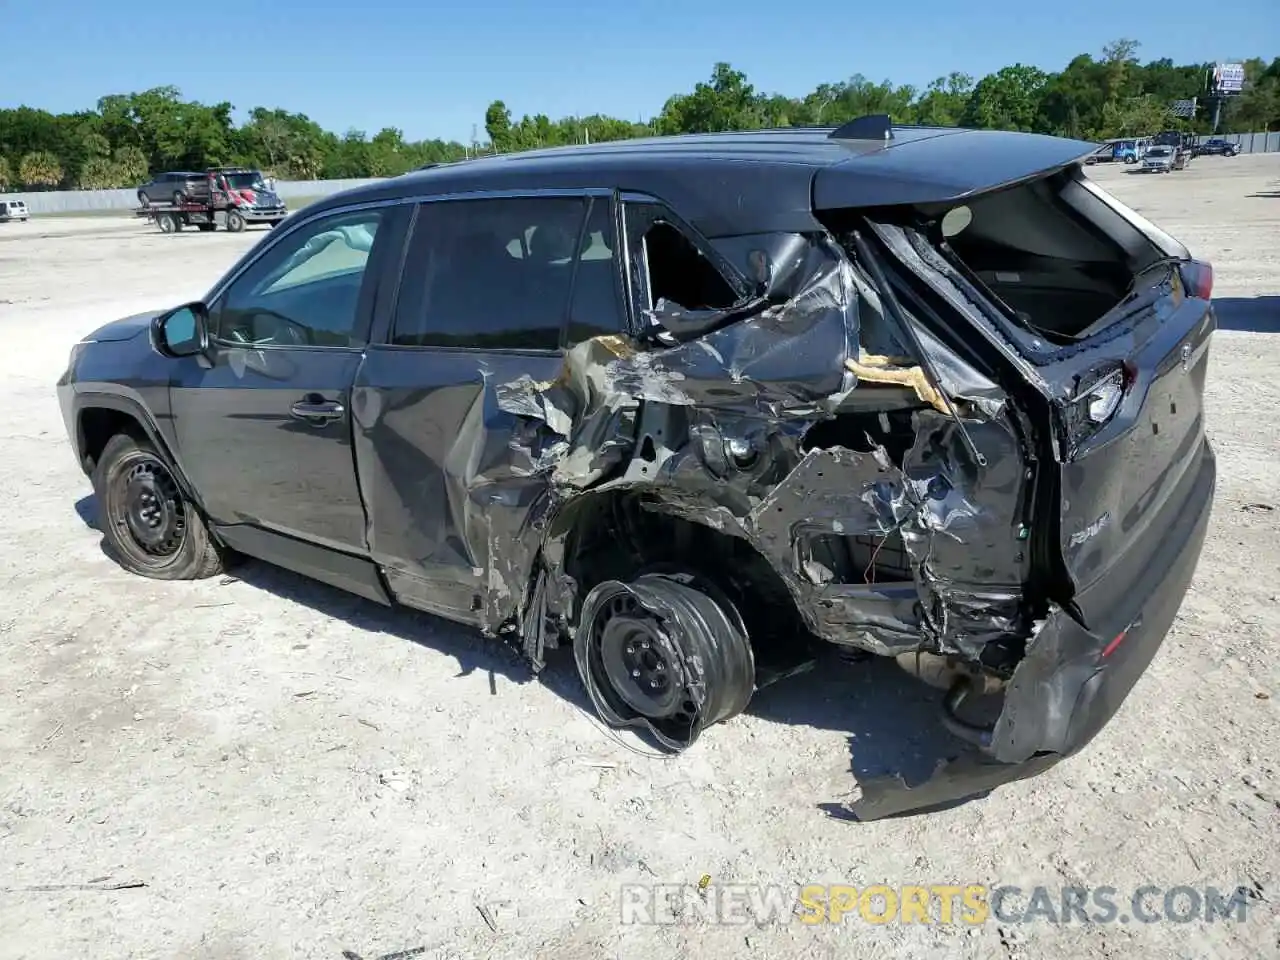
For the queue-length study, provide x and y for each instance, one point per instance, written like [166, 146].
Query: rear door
[494, 289]
[265, 426]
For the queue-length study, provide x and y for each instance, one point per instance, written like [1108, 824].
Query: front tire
[235, 221]
[148, 525]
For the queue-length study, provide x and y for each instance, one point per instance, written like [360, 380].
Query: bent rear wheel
[148, 525]
[664, 652]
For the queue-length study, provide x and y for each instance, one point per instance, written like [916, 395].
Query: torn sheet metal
[958, 523]
[964, 531]
[711, 429]
[785, 362]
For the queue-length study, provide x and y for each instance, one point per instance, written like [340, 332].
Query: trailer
[231, 209]
[173, 217]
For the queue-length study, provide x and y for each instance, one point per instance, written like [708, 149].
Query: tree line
[127, 137]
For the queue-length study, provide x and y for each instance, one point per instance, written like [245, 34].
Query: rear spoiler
[902, 165]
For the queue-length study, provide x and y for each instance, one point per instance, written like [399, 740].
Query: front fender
[122, 399]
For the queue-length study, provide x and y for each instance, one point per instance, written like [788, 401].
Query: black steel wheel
[148, 524]
[664, 652]
[143, 199]
[179, 198]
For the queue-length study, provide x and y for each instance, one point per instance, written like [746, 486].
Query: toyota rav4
[695, 407]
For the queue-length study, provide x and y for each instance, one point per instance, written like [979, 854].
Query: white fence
[54, 202]
[1254, 142]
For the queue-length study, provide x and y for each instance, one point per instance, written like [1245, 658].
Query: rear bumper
[1072, 680]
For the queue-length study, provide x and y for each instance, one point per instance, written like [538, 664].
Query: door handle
[317, 411]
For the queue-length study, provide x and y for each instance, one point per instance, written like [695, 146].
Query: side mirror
[184, 331]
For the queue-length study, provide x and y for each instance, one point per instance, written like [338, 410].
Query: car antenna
[872, 263]
[874, 126]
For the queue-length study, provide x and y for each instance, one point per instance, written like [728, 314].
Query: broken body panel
[983, 448]
[902, 511]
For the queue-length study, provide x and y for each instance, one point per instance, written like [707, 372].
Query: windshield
[246, 181]
[1158, 152]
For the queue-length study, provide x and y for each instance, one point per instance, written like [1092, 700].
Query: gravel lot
[292, 772]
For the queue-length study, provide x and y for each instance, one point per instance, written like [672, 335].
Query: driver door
[264, 426]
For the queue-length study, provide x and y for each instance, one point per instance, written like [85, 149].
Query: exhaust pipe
[976, 734]
[960, 685]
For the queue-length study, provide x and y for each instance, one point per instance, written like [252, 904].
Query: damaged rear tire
[665, 652]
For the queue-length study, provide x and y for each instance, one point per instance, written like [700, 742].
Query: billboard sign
[1228, 77]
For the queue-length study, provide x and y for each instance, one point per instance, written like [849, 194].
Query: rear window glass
[496, 273]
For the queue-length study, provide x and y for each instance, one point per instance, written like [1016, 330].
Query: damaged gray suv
[698, 408]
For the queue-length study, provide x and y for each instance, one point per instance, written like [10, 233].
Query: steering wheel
[287, 332]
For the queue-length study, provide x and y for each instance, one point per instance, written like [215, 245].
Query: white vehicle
[1158, 159]
[13, 210]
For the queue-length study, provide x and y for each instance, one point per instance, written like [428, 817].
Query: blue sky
[431, 68]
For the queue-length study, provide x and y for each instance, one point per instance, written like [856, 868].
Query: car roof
[756, 181]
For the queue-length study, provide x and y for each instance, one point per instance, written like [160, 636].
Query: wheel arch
[615, 533]
[100, 416]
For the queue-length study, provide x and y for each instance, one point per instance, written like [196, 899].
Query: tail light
[1102, 399]
[1097, 402]
[1197, 277]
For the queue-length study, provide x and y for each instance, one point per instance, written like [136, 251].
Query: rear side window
[596, 309]
[667, 265]
[493, 274]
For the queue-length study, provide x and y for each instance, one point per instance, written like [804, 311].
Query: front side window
[492, 274]
[304, 291]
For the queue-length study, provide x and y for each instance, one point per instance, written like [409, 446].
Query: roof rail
[874, 126]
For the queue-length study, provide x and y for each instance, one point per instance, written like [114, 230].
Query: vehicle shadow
[471, 650]
[1250, 314]
[891, 720]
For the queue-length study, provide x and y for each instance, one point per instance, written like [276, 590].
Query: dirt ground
[292, 772]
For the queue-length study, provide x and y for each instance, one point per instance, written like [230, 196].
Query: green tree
[127, 135]
[40, 168]
[728, 102]
[497, 124]
[6, 176]
[943, 102]
[130, 166]
[1008, 99]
